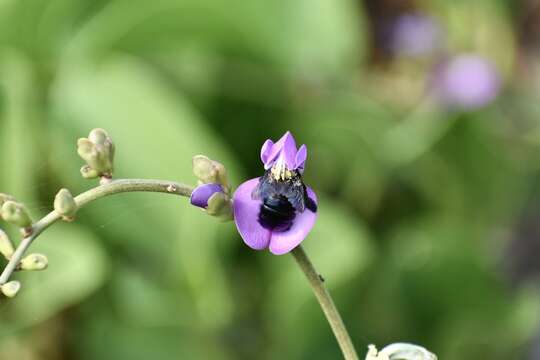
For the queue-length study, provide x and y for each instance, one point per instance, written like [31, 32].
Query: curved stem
[110, 188]
[327, 304]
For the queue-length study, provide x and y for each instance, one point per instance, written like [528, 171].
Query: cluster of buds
[400, 351]
[16, 213]
[98, 152]
[213, 193]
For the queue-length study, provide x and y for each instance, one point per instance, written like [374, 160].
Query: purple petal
[265, 151]
[201, 194]
[301, 157]
[285, 149]
[246, 216]
[283, 242]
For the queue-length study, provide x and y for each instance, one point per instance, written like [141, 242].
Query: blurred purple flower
[415, 34]
[202, 193]
[467, 82]
[276, 211]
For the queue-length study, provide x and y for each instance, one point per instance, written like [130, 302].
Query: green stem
[110, 188]
[327, 304]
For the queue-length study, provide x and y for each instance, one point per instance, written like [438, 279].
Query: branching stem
[106, 189]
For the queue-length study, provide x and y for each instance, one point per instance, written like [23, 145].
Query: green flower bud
[88, 173]
[219, 205]
[34, 262]
[98, 152]
[104, 144]
[210, 172]
[16, 214]
[99, 137]
[4, 198]
[88, 151]
[6, 246]
[10, 289]
[65, 205]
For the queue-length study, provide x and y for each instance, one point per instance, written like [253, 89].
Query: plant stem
[110, 188]
[327, 304]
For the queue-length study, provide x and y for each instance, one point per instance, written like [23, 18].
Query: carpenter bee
[283, 195]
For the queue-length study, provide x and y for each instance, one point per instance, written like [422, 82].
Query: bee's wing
[256, 193]
[296, 194]
[263, 189]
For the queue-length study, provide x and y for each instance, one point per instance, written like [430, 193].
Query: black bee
[282, 197]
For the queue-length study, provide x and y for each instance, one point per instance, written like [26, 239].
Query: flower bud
[210, 172]
[88, 173]
[98, 152]
[219, 205]
[4, 198]
[6, 246]
[16, 214]
[10, 289]
[65, 205]
[34, 262]
[99, 137]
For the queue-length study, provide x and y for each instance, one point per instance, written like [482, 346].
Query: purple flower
[467, 82]
[415, 35]
[202, 193]
[276, 211]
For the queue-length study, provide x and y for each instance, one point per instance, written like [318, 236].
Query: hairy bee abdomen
[276, 213]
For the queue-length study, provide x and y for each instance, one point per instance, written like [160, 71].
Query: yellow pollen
[280, 172]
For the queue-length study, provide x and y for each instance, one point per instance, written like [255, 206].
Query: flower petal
[201, 194]
[284, 148]
[246, 216]
[265, 152]
[301, 157]
[285, 241]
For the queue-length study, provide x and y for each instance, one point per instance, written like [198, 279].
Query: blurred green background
[429, 227]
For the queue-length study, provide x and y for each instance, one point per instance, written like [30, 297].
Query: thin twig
[111, 188]
[327, 304]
